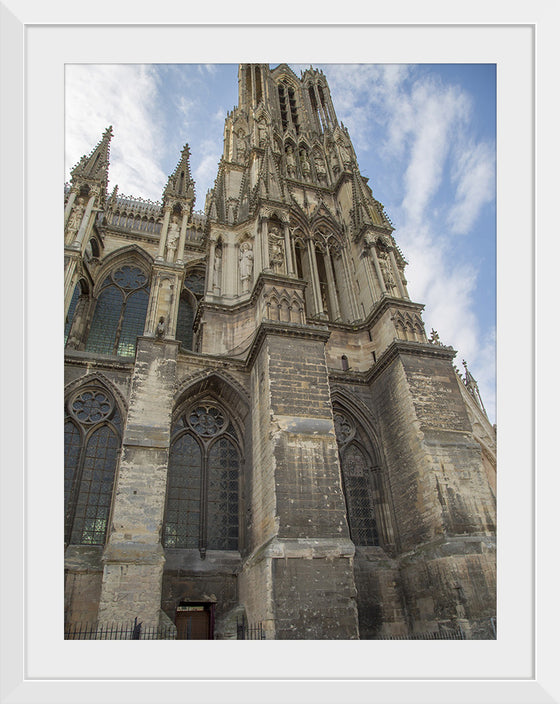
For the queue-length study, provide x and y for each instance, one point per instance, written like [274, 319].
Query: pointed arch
[92, 440]
[132, 254]
[204, 489]
[365, 482]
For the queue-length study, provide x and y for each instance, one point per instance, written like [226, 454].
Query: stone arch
[218, 384]
[98, 379]
[365, 437]
[130, 254]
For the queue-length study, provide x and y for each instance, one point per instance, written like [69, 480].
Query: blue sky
[425, 136]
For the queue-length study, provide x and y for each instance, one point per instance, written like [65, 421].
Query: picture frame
[37, 664]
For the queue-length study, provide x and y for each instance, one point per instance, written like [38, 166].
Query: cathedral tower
[281, 441]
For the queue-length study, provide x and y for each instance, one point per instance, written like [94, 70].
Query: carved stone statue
[246, 265]
[334, 159]
[241, 148]
[290, 162]
[305, 165]
[275, 248]
[160, 328]
[218, 267]
[320, 168]
[345, 154]
[263, 135]
[75, 219]
[172, 237]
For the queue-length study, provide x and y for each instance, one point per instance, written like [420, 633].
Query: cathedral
[258, 429]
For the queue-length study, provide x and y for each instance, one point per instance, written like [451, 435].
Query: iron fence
[136, 630]
[248, 632]
[448, 634]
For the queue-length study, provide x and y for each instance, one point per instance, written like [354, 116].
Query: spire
[472, 387]
[95, 166]
[180, 183]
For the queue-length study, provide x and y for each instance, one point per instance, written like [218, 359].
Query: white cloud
[475, 178]
[124, 96]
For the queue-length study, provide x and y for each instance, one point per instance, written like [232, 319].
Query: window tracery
[120, 312]
[202, 501]
[357, 480]
[91, 443]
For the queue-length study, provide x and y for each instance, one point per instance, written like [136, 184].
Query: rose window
[129, 277]
[91, 406]
[206, 420]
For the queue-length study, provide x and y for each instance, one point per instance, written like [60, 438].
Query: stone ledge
[450, 546]
[134, 554]
[302, 548]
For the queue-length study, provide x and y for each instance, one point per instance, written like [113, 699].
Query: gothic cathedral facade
[256, 424]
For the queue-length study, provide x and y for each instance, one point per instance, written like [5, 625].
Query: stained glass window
[120, 313]
[184, 482]
[202, 503]
[223, 499]
[361, 520]
[185, 319]
[71, 311]
[90, 456]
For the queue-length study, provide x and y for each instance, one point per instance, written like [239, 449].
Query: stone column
[288, 250]
[133, 559]
[210, 277]
[375, 261]
[264, 245]
[314, 277]
[349, 287]
[69, 279]
[332, 286]
[397, 274]
[77, 243]
[163, 233]
[182, 237]
[301, 553]
[69, 204]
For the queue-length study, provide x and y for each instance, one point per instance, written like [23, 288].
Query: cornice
[266, 328]
[394, 350]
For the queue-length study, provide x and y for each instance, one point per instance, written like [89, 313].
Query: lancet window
[202, 500]
[192, 292]
[120, 312]
[359, 479]
[92, 438]
[71, 310]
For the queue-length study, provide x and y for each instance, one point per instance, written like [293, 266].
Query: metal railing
[450, 634]
[136, 630]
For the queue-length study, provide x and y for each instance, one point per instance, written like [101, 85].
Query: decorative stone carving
[320, 168]
[160, 328]
[345, 154]
[218, 267]
[335, 164]
[275, 247]
[246, 265]
[75, 219]
[172, 238]
[263, 132]
[385, 265]
[91, 406]
[305, 165]
[344, 428]
[290, 162]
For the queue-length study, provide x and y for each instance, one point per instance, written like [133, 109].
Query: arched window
[92, 438]
[202, 501]
[120, 312]
[192, 293]
[358, 484]
[71, 310]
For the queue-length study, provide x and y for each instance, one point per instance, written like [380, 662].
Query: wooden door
[193, 623]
